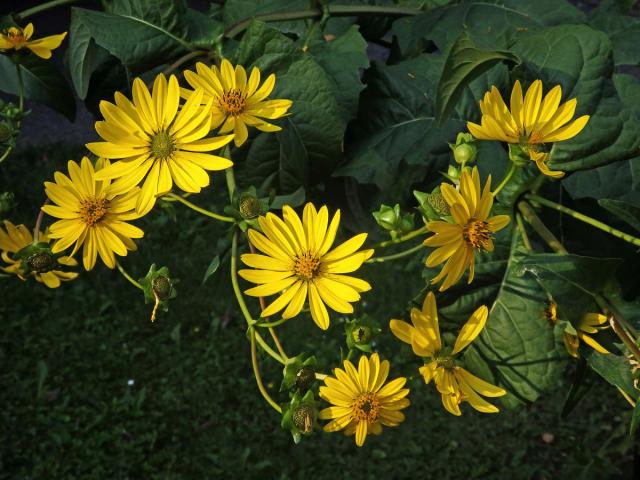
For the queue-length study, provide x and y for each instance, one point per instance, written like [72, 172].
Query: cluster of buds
[158, 288]
[394, 221]
[11, 116]
[299, 416]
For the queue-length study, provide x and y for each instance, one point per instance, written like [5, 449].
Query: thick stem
[42, 7]
[333, 10]
[198, 209]
[540, 228]
[256, 373]
[404, 238]
[396, 256]
[523, 232]
[586, 219]
[128, 277]
[505, 180]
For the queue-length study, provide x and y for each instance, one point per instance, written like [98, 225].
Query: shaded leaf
[623, 210]
[615, 369]
[212, 268]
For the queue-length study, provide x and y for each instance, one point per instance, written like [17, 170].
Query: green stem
[243, 306]
[20, 88]
[272, 324]
[231, 182]
[586, 219]
[505, 180]
[403, 238]
[396, 256]
[6, 153]
[523, 232]
[198, 209]
[42, 7]
[256, 373]
[333, 10]
[540, 228]
[128, 277]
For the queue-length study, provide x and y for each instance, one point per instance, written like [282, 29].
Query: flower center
[162, 145]
[306, 266]
[550, 313]
[366, 407]
[477, 233]
[93, 209]
[445, 362]
[15, 36]
[233, 102]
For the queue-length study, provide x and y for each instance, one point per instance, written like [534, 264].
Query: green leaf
[212, 268]
[203, 31]
[517, 349]
[624, 32]
[294, 199]
[42, 83]
[465, 62]
[615, 369]
[623, 210]
[618, 180]
[235, 11]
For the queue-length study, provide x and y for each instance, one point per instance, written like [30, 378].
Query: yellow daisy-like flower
[531, 122]
[14, 238]
[472, 228]
[235, 100]
[590, 323]
[92, 214]
[455, 384]
[157, 142]
[299, 261]
[362, 402]
[15, 38]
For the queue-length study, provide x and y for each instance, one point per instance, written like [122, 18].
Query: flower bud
[5, 132]
[388, 217]
[161, 286]
[303, 418]
[361, 335]
[305, 378]
[453, 174]
[41, 262]
[249, 206]
[465, 153]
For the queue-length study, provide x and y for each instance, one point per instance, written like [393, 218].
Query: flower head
[298, 259]
[590, 323]
[41, 265]
[92, 214]
[362, 401]
[472, 228]
[532, 122]
[455, 384]
[16, 38]
[157, 142]
[235, 100]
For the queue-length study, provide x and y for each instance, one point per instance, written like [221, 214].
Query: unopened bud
[465, 153]
[361, 335]
[303, 418]
[249, 207]
[305, 378]
[161, 286]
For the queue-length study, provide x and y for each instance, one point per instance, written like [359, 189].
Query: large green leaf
[235, 11]
[517, 349]
[624, 32]
[619, 180]
[465, 62]
[42, 83]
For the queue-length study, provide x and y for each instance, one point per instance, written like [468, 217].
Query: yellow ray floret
[298, 264]
[16, 38]
[91, 214]
[157, 142]
[14, 238]
[236, 101]
[472, 228]
[455, 384]
[530, 122]
[362, 399]
[590, 324]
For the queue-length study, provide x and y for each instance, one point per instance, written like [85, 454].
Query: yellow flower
[362, 403]
[455, 384]
[531, 123]
[91, 214]
[15, 238]
[235, 100]
[590, 323]
[298, 260]
[16, 38]
[472, 228]
[156, 142]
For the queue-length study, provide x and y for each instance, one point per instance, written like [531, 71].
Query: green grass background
[194, 411]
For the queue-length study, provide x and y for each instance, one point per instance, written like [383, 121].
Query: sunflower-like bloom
[362, 402]
[299, 261]
[15, 38]
[590, 323]
[157, 142]
[15, 238]
[531, 123]
[91, 214]
[235, 100]
[455, 384]
[472, 228]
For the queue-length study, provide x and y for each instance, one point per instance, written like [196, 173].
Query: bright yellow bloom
[362, 403]
[156, 142]
[455, 384]
[298, 260]
[91, 214]
[236, 100]
[15, 238]
[16, 38]
[590, 323]
[531, 123]
[472, 228]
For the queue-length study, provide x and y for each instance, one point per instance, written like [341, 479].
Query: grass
[91, 389]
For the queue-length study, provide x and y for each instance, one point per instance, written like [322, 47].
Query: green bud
[361, 335]
[249, 206]
[5, 132]
[161, 285]
[42, 262]
[453, 173]
[388, 217]
[465, 153]
[305, 378]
